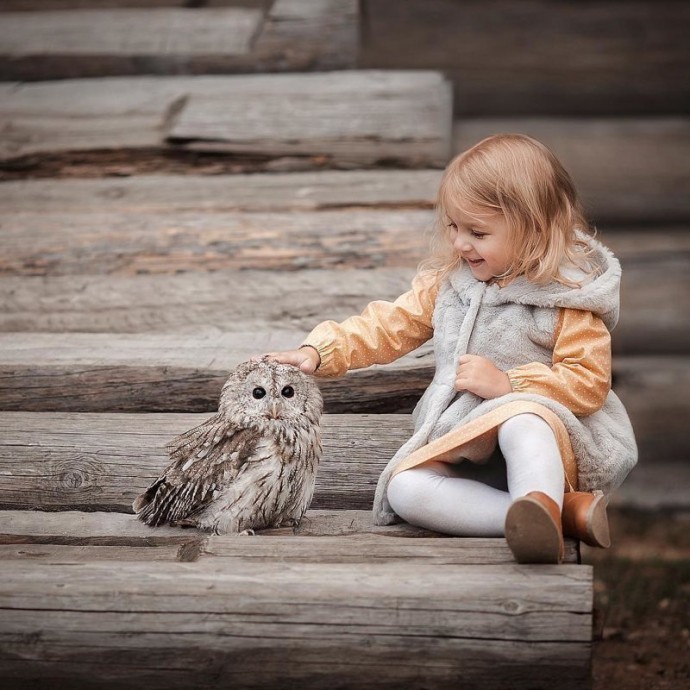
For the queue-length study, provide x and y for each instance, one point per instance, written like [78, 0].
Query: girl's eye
[478, 235]
[452, 226]
[288, 391]
[259, 392]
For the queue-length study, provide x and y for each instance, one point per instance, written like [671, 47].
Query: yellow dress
[579, 377]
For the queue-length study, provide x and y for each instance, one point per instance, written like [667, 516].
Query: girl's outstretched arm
[382, 333]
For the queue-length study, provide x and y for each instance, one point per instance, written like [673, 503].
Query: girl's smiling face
[481, 237]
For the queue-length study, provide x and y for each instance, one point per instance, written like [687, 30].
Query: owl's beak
[274, 410]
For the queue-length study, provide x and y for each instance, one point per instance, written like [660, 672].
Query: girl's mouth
[474, 262]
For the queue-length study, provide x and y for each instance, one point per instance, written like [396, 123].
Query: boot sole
[597, 522]
[531, 533]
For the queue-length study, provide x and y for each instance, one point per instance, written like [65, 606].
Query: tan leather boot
[533, 529]
[584, 518]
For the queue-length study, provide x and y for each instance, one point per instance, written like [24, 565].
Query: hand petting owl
[250, 466]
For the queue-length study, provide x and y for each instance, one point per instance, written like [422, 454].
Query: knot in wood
[512, 606]
[76, 473]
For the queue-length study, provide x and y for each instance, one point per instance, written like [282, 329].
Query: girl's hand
[306, 359]
[480, 376]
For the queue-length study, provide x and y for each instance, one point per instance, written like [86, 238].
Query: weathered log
[173, 194]
[229, 301]
[102, 462]
[171, 373]
[64, 243]
[293, 35]
[220, 623]
[541, 57]
[131, 243]
[59, 554]
[359, 118]
[346, 536]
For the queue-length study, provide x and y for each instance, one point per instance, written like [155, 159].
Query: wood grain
[199, 303]
[297, 191]
[359, 118]
[68, 461]
[176, 624]
[291, 35]
[345, 536]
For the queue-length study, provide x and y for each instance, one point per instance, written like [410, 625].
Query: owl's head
[262, 390]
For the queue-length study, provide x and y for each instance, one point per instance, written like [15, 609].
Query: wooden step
[197, 303]
[627, 170]
[131, 243]
[648, 186]
[352, 118]
[336, 536]
[101, 373]
[291, 35]
[103, 461]
[542, 57]
[228, 623]
[297, 191]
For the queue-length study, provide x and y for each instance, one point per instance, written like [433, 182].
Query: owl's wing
[203, 459]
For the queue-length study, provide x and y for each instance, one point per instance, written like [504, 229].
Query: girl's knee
[402, 492]
[526, 423]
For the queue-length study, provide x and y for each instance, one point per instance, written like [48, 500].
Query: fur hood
[598, 294]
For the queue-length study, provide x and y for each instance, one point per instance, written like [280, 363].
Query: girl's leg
[435, 497]
[535, 481]
[533, 460]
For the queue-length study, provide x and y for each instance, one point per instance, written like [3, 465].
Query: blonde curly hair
[520, 178]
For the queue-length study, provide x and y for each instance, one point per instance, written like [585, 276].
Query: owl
[250, 466]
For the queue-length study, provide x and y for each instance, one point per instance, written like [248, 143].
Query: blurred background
[185, 184]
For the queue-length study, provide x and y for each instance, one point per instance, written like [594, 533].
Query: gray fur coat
[512, 326]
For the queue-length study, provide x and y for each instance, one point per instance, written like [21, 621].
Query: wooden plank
[540, 57]
[42, 5]
[192, 302]
[126, 243]
[119, 529]
[627, 170]
[51, 554]
[385, 108]
[347, 536]
[169, 373]
[197, 303]
[305, 35]
[66, 461]
[368, 548]
[176, 625]
[296, 35]
[92, 373]
[124, 33]
[358, 118]
[297, 191]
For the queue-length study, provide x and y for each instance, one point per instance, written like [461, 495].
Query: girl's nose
[461, 244]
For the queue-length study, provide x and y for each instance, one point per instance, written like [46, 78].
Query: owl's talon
[246, 533]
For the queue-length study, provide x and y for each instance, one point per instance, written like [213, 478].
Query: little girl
[519, 299]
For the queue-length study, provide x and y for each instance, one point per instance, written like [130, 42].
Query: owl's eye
[288, 391]
[259, 392]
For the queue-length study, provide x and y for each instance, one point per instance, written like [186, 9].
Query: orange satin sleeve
[382, 333]
[580, 377]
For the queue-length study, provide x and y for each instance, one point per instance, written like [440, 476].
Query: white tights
[438, 497]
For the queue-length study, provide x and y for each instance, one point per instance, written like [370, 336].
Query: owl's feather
[251, 465]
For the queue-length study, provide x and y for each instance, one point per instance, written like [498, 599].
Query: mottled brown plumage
[250, 466]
